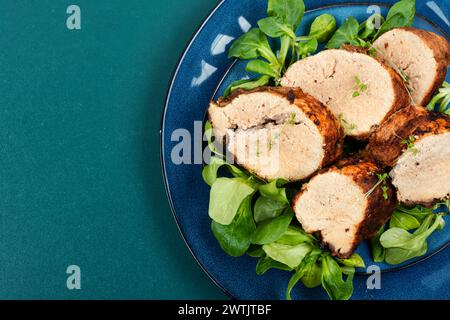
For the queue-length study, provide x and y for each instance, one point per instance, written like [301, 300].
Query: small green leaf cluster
[397, 244]
[282, 21]
[410, 144]
[351, 32]
[440, 102]
[359, 87]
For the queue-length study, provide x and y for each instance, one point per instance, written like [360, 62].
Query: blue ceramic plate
[202, 74]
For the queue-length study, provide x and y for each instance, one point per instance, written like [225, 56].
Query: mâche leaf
[401, 14]
[226, 196]
[369, 28]
[209, 135]
[266, 263]
[295, 235]
[323, 27]
[440, 102]
[308, 271]
[271, 230]
[401, 245]
[418, 212]
[291, 256]
[403, 220]
[346, 34]
[275, 27]
[399, 238]
[312, 273]
[251, 45]
[235, 238]
[354, 261]
[246, 84]
[274, 191]
[209, 172]
[255, 251]
[378, 251]
[306, 47]
[398, 255]
[332, 280]
[298, 274]
[266, 208]
[262, 67]
[289, 11]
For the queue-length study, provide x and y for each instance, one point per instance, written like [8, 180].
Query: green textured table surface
[80, 177]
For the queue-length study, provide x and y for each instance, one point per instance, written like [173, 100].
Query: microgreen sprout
[292, 118]
[348, 127]
[409, 142]
[382, 180]
[359, 87]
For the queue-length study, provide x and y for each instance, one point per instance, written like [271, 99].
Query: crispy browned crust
[441, 49]
[351, 48]
[329, 127]
[378, 211]
[385, 145]
[402, 97]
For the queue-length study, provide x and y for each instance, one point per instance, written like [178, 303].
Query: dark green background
[80, 177]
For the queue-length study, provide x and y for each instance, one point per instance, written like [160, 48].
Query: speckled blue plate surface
[203, 72]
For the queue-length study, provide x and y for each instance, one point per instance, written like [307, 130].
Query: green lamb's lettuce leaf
[289, 11]
[400, 238]
[251, 45]
[441, 99]
[293, 281]
[246, 84]
[275, 27]
[401, 245]
[295, 235]
[323, 27]
[418, 212]
[226, 196]
[403, 221]
[332, 279]
[291, 256]
[271, 230]
[266, 208]
[401, 14]
[378, 251]
[306, 47]
[273, 190]
[354, 261]
[398, 255]
[209, 172]
[262, 67]
[312, 274]
[266, 263]
[369, 28]
[308, 271]
[346, 34]
[256, 251]
[235, 238]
